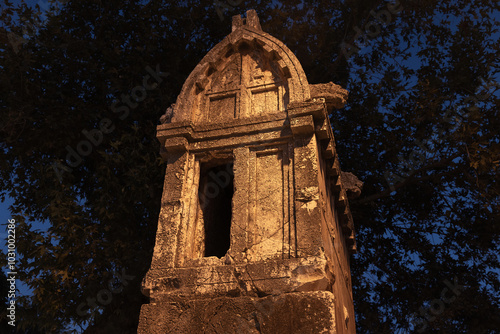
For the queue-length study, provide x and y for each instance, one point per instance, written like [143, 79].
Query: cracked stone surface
[352, 184]
[294, 313]
[255, 232]
[335, 96]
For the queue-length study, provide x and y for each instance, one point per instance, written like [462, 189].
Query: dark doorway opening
[216, 196]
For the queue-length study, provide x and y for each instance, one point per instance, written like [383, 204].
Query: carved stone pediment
[255, 206]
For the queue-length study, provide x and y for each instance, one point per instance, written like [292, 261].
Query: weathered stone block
[291, 313]
[255, 230]
[302, 125]
[334, 95]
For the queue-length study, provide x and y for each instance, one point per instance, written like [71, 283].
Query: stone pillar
[255, 232]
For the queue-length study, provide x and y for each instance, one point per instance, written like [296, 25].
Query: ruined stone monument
[255, 232]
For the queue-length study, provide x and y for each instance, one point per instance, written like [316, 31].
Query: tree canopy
[420, 129]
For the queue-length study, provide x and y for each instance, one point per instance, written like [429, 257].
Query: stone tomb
[255, 232]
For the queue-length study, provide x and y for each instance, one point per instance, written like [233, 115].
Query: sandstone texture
[352, 184]
[255, 232]
[294, 313]
[335, 96]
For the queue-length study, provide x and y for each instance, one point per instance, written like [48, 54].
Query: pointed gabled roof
[246, 35]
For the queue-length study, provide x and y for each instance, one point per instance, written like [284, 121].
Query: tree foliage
[420, 129]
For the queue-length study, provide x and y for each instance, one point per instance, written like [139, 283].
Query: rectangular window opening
[215, 193]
